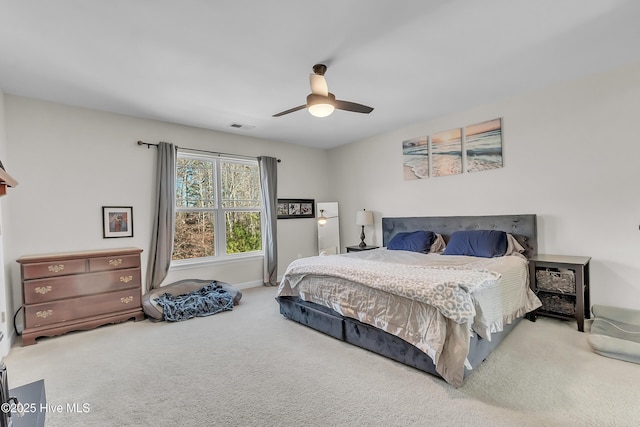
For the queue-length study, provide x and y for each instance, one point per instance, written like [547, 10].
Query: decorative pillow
[414, 241]
[480, 243]
[513, 246]
[438, 245]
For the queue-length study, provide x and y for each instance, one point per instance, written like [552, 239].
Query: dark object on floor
[615, 333]
[183, 287]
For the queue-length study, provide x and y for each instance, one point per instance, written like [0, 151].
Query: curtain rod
[148, 144]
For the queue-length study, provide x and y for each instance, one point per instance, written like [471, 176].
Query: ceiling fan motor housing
[313, 99]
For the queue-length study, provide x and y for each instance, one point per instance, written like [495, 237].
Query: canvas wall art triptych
[474, 148]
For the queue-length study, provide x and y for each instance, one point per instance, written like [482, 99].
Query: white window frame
[220, 236]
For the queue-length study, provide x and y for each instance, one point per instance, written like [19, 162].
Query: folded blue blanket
[208, 300]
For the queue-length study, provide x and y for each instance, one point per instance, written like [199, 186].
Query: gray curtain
[164, 219]
[269, 185]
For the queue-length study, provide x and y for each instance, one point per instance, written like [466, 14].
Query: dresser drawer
[53, 268]
[114, 262]
[45, 290]
[92, 305]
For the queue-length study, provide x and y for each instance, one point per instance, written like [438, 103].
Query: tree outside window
[218, 207]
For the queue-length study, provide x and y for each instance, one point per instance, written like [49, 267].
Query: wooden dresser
[79, 290]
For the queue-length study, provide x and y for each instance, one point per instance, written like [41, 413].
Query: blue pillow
[480, 243]
[414, 241]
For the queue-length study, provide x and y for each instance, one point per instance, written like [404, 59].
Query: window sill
[205, 262]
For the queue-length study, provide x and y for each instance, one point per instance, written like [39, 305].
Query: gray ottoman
[615, 332]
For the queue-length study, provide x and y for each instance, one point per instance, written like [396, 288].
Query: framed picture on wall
[296, 208]
[117, 221]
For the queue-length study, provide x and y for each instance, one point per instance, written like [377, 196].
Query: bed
[438, 313]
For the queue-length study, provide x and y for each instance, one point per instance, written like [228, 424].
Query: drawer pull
[115, 262]
[56, 268]
[43, 289]
[126, 279]
[44, 314]
[126, 300]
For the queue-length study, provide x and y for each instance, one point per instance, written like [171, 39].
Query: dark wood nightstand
[562, 284]
[360, 248]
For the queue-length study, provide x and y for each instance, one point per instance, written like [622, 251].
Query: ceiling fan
[321, 102]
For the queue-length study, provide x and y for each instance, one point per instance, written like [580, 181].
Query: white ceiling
[211, 63]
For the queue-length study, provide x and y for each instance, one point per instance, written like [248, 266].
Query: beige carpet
[252, 367]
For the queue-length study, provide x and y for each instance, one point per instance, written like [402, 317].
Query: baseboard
[247, 285]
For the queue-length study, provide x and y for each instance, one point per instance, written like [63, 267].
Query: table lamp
[364, 217]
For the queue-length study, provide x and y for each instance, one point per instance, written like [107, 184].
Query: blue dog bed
[190, 298]
[615, 333]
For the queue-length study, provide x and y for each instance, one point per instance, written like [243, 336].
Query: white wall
[71, 161]
[5, 291]
[570, 156]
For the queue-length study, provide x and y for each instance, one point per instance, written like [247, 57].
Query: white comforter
[431, 301]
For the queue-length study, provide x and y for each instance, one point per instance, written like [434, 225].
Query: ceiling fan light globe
[322, 220]
[321, 110]
[319, 105]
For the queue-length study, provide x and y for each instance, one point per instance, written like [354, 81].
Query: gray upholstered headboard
[522, 227]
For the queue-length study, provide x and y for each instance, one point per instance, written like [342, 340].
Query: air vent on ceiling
[241, 126]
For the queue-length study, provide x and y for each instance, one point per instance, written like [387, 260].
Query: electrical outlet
[3, 317]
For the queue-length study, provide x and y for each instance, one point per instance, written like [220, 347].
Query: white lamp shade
[364, 218]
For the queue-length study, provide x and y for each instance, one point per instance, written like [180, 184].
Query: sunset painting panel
[446, 149]
[415, 158]
[484, 145]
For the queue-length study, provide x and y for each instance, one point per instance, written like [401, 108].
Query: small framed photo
[296, 208]
[117, 221]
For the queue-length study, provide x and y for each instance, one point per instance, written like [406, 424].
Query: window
[218, 207]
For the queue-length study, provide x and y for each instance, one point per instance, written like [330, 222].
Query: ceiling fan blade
[318, 85]
[352, 106]
[292, 110]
